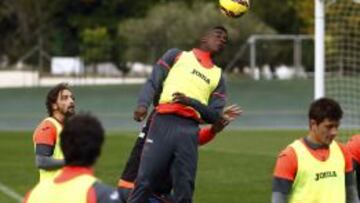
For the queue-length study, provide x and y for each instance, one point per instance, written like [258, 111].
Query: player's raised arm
[153, 86]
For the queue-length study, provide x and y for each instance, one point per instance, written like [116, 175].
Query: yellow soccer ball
[234, 8]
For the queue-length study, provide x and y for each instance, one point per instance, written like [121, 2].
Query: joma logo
[200, 75]
[326, 174]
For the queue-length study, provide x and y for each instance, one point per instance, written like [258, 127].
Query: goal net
[342, 60]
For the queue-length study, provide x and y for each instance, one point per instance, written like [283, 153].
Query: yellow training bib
[74, 190]
[57, 154]
[189, 77]
[318, 181]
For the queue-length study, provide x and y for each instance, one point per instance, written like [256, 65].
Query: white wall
[15, 78]
[19, 78]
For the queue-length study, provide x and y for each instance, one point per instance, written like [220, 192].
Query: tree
[180, 25]
[24, 22]
[305, 14]
[281, 15]
[57, 25]
[96, 46]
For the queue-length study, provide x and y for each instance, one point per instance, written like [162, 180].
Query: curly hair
[81, 140]
[52, 96]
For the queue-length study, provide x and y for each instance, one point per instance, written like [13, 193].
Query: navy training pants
[170, 148]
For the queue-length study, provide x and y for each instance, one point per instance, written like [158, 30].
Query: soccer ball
[234, 8]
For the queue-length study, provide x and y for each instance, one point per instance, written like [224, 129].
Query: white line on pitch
[11, 193]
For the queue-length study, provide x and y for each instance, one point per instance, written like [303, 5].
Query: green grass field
[236, 167]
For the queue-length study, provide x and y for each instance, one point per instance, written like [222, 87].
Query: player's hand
[231, 112]
[180, 98]
[140, 113]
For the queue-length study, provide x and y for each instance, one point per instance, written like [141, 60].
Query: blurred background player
[174, 148]
[316, 168]
[81, 142]
[60, 104]
[206, 134]
[353, 146]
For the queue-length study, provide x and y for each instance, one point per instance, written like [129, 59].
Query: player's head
[81, 140]
[324, 120]
[214, 40]
[60, 99]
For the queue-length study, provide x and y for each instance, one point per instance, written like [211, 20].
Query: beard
[70, 112]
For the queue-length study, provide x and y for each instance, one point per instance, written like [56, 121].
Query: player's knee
[185, 182]
[183, 199]
[124, 194]
[144, 184]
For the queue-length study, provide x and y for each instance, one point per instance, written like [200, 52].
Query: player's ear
[54, 107]
[205, 38]
[312, 124]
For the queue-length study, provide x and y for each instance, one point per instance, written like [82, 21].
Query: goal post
[337, 57]
[319, 88]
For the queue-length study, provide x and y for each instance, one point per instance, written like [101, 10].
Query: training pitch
[235, 167]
